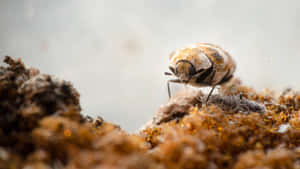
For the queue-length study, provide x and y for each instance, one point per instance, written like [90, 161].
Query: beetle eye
[192, 70]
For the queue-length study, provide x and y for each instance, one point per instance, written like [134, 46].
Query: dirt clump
[238, 128]
[42, 128]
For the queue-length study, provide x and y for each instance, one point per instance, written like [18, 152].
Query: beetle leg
[168, 85]
[211, 91]
[168, 74]
[172, 69]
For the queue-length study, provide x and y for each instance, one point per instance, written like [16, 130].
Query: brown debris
[180, 105]
[45, 94]
[177, 107]
[236, 104]
[277, 158]
[41, 128]
[239, 128]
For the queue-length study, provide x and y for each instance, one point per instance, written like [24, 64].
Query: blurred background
[115, 51]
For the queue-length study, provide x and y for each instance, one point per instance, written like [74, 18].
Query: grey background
[115, 51]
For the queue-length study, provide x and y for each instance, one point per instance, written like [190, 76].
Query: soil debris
[41, 128]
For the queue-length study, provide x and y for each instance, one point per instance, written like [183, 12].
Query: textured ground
[41, 128]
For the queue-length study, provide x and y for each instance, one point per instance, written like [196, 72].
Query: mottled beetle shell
[206, 56]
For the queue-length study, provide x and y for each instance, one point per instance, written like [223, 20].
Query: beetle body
[200, 65]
